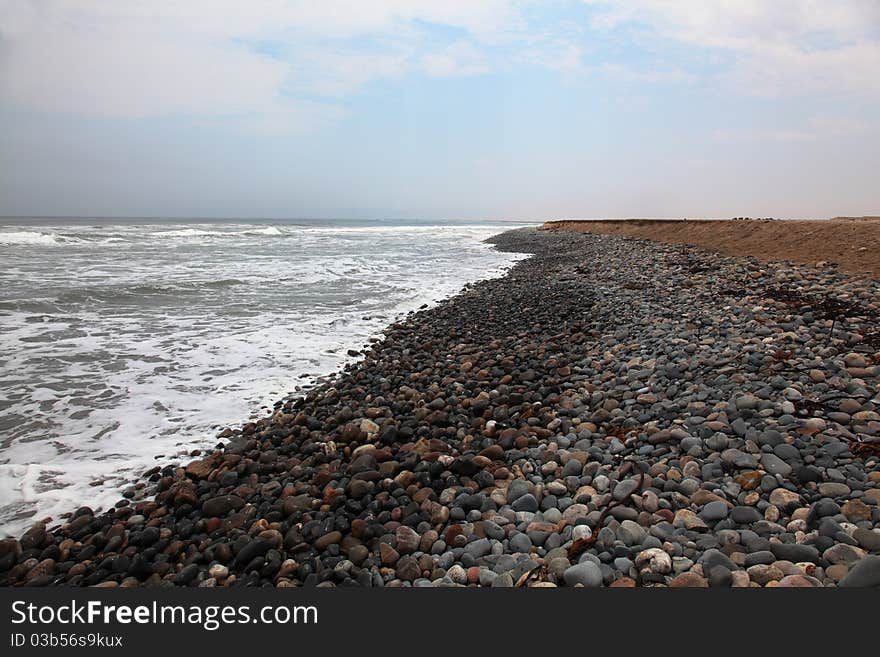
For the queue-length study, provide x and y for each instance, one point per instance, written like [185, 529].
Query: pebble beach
[612, 412]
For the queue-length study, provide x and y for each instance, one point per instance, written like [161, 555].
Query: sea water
[126, 344]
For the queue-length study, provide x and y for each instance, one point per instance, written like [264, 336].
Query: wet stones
[34, 538]
[222, 505]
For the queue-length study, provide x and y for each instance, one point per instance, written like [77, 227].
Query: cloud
[225, 58]
[779, 47]
[297, 64]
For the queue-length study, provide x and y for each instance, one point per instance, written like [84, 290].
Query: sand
[850, 243]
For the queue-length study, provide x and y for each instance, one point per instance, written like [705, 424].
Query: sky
[458, 109]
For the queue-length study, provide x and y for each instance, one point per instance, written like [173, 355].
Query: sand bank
[851, 243]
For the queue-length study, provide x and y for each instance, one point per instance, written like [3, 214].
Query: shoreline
[274, 327]
[608, 412]
[851, 244]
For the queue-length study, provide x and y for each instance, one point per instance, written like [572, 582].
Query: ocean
[126, 344]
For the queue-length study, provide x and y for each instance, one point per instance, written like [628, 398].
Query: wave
[26, 237]
[124, 293]
[466, 229]
[99, 237]
[270, 230]
[191, 232]
[266, 231]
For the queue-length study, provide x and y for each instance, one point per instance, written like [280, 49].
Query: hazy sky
[461, 109]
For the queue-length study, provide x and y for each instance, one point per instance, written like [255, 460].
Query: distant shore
[850, 243]
[609, 413]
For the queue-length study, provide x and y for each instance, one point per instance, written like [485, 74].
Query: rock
[256, 548]
[407, 540]
[833, 489]
[200, 469]
[10, 550]
[868, 539]
[219, 572]
[557, 567]
[42, 570]
[746, 515]
[220, 506]
[688, 519]
[187, 575]
[407, 569]
[388, 554]
[837, 571]
[843, 553]
[799, 581]
[783, 498]
[632, 533]
[739, 459]
[328, 539]
[369, 428]
[459, 575]
[759, 557]
[794, 552]
[856, 510]
[34, 538]
[748, 480]
[520, 543]
[504, 580]
[714, 511]
[525, 502]
[720, 577]
[655, 560]
[516, 489]
[775, 465]
[863, 573]
[747, 402]
[479, 548]
[297, 504]
[764, 573]
[623, 583]
[689, 580]
[624, 489]
[586, 574]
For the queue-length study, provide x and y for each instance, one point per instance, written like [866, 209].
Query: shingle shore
[611, 412]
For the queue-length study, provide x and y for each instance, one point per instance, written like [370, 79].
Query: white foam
[189, 232]
[269, 230]
[27, 237]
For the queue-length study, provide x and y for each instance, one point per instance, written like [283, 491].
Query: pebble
[489, 435]
[586, 574]
[864, 573]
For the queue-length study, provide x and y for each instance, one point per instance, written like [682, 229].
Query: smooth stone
[586, 573]
[864, 573]
[745, 515]
[714, 511]
[868, 539]
[795, 552]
